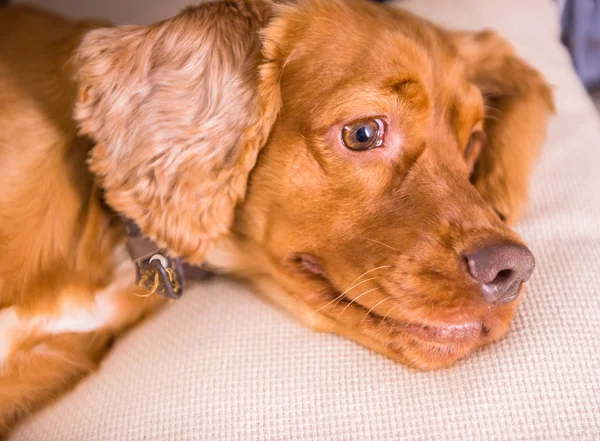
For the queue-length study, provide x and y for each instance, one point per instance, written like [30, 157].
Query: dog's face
[377, 200]
[362, 199]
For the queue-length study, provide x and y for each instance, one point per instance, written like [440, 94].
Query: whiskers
[371, 310]
[354, 300]
[389, 312]
[401, 334]
[353, 285]
[357, 282]
[383, 244]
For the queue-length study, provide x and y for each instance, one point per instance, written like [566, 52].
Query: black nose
[501, 269]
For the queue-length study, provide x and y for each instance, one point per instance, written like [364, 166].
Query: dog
[356, 164]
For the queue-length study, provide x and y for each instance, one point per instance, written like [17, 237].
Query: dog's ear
[179, 111]
[518, 103]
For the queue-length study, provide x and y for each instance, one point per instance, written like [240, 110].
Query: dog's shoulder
[46, 185]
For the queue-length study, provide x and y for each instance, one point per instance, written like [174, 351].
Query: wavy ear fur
[179, 113]
[518, 104]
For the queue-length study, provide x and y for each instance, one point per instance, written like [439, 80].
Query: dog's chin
[423, 340]
[424, 344]
[432, 353]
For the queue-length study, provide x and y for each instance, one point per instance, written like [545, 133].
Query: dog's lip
[447, 333]
[443, 334]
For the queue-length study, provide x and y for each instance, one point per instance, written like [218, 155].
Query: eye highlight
[365, 134]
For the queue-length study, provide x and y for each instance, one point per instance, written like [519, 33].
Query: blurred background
[579, 21]
[580, 24]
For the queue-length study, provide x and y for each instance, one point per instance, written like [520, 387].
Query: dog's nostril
[503, 276]
[501, 269]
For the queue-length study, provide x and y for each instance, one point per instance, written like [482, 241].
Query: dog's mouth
[463, 333]
[454, 333]
[423, 343]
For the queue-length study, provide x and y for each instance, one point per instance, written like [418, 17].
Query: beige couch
[221, 364]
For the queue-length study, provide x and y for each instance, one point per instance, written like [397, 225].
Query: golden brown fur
[173, 117]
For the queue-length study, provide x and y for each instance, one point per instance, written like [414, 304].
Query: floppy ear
[518, 103]
[179, 113]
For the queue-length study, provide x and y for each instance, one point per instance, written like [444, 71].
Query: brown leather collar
[156, 271]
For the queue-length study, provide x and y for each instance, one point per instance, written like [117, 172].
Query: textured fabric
[222, 364]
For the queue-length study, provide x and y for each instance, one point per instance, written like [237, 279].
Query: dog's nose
[501, 269]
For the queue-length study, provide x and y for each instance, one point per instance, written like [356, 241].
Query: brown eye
[363, 135]
[473, 148]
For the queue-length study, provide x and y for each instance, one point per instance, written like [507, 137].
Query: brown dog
[353, 161]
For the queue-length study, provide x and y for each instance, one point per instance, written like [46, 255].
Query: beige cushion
[221, 364]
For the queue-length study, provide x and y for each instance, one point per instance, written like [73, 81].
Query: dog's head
[362, 158]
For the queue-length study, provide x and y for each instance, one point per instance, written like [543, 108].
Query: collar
[155, 270]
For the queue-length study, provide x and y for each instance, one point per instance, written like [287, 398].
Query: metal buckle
[161, 275]
[155, 271]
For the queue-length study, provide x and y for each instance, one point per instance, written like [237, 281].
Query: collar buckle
[155, 271]
[161, 275]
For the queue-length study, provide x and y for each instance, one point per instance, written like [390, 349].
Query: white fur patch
[9, 323]
[72, 316]
[79, 319]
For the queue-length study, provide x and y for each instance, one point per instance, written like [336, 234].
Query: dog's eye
[364, 134]
[474, 146]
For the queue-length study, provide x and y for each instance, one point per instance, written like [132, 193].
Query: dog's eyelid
[365, 118]
[500, 215]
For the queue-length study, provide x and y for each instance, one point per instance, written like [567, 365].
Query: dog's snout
[501, 270]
